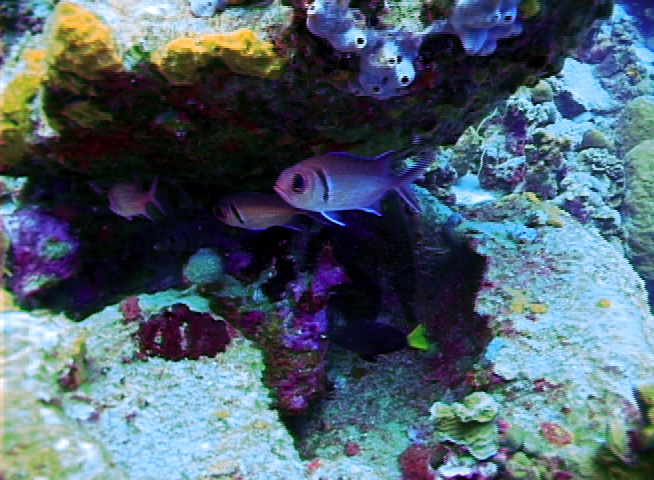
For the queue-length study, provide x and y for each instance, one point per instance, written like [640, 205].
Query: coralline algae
[43, 251]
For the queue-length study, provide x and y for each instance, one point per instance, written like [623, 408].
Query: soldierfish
[255, 211]
[128, 199]
[338, 181]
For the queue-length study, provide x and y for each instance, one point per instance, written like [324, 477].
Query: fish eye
[298, 183]
[219, 212]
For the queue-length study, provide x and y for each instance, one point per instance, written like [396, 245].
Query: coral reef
[541, 401]
[278, 91]
[241, 50]
[638, 207]
[15, 108]
[469, 423]
[204, 266]
[43, 252]
[80, 49]
[636, 123]
[480, 23]
[295, 338]
[39, 439]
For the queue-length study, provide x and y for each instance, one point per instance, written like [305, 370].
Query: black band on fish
[323, 178]
[237, 214]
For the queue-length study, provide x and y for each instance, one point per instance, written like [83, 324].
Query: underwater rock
[578, 91]
[567, 367]
[295, 338]
[258, 71]
[43, 252]
[200, 418]
[39, 439]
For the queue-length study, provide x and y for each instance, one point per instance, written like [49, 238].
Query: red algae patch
[555, 434]
[179, 333]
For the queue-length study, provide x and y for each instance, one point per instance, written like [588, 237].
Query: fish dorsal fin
[410, 175]
[414, 172]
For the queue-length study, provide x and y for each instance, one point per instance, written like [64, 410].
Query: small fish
[371, 338]
[342, 181]
[128, 199]
[255, 211]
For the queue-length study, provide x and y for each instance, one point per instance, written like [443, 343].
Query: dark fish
[189, 237]
[369, 339]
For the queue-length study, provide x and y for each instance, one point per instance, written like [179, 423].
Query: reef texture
[151, 87]
[119, 419]
[571, 334]
[636, 122]
[83, 402]
[43, 252]
[638, 207]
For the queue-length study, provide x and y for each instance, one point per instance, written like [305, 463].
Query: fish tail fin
[418, 338]
[409, 176]
[152, 194]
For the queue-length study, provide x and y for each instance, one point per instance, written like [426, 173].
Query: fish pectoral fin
[316, 217]
[333, 218]
[294, 224]
[375, 210]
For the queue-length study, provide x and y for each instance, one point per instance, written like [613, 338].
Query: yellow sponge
[80, 48]
[240, 50]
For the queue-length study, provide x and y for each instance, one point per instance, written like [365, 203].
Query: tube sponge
[386, 65]
[480, 23]
[341, 26]
[469, 424]
[387, 56]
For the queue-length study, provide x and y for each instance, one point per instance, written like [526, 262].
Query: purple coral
[296, 347]
[43, 252]
[306, 324]
[178, 332]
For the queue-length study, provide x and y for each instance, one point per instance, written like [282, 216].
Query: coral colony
[327, 239]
